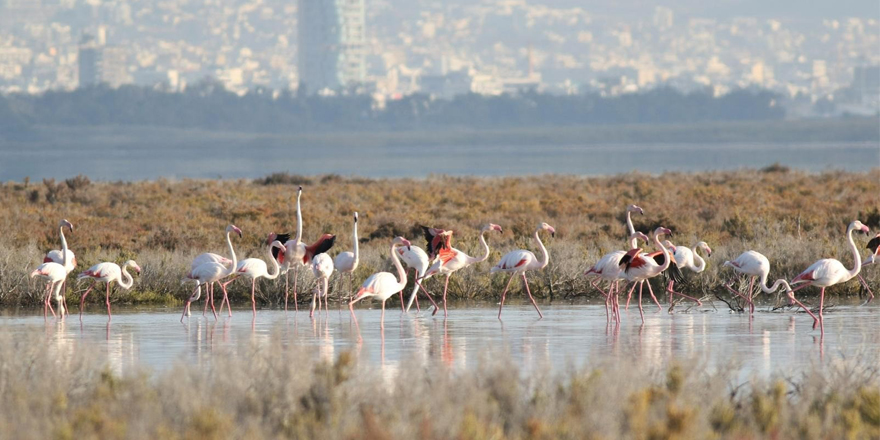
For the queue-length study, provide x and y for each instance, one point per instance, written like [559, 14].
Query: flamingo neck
[231, 252]
[126, 281]
[634, 243]
[545, 260]
[401, 272]
[701, 263]
[274, 262]
[858, 258]
[666, 261]
[63, 248]
[485, 246]
[355, 237]
[299, 220]
[775, 286]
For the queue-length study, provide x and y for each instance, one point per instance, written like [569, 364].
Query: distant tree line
[208, 105]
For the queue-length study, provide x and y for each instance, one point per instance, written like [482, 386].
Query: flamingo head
[858, 226]
[233, 228]
[299, 191]
[355, 217]
[277, 244]
[492, 227]
[400, 241]
[270, 238]
[638, 236]
[65, 224]
[662, 231]
[705, 247]
[634, 208]
[133, 265]
[548, 228]
[668, 244]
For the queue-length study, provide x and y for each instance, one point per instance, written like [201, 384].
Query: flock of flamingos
[631, 266]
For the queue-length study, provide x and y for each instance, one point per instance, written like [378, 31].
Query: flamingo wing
[344, 262]
[319, 247]
[251, 266]
[284, 238]
[874, 244]
[515, 261]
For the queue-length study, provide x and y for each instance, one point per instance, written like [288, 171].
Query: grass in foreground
[271, 391]
[792, 217]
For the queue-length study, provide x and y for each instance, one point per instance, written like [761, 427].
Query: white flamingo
[209, 273]
[828, 272]
[520, 261]
[347, 262]
[417, 259]
[56, 256]
[756, 266]
[640, 267]
[55, 275]
[383, 285]
[689, 258]
[254, 268]
[209, 257]
[322, 268]
[451, 260]
[107, 273]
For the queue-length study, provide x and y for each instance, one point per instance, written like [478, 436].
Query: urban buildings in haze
[331, 44]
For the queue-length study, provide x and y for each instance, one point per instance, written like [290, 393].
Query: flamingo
[347, 262]
[756, 266]
[828, 272]
[689, 258]
[107, 273]
[520, 261]
[254, 268]
[322, 268]
[56, 256]
[209, 273]
[209, 257]
[451, 260]
[383, 285]
[873, 257]
[640, 267]
[55, 274]
[415, 258]
[608, 267]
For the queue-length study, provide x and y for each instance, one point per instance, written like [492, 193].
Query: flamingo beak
[641, 211]
[865, 229]
[138, 269]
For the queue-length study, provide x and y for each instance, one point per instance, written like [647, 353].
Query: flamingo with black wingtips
[107, 273]
[520, 261]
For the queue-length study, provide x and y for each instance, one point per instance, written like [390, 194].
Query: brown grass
[792, 217]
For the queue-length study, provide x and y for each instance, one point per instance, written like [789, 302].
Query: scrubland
[792, 217]
[268, 390]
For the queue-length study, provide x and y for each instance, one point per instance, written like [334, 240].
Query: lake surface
[568, 335]
[127, 160]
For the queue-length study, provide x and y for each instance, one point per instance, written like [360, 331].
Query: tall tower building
[90, 63]
[331, 44]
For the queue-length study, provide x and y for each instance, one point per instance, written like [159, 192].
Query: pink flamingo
[56, 256]
[685, 257]
[417, 259]
[520, 261]
[55, 274]
[828, 272]
[347, 262]
[756, 266]
[608, 267]
[641, 267]
[209, 273]
[383, 285]
[209, 257]
[322, 268]
[107, 273]
[254, 268]
[873, 257]
[451, 259]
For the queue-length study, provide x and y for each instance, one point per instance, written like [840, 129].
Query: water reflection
[569, 335]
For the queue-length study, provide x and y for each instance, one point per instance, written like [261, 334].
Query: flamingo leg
[253, 299]
[286, 287]
[673, 292]
[751, 295]
[445, 287]
[212, 299]
[505, 293]
[190, 300]
[651, 291]
[225, 299]
[326, 296]
[526, 282]
[45, 299]
[382, 319]
[794, 300]
[821, 315]
[64, 297]
[628, 297]
[870, 294]
[295, 278]
[207, 298]
[595, 284]
[641, 312]
[736, 292]
[82, 300]
[109, 315]
[436, 307]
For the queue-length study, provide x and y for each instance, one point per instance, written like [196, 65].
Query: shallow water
[133, 161]
[568, 335]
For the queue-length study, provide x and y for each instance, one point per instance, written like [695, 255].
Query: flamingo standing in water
[55, 274]
[828, 272]
[640, 267]
[451, 260]
[383, 285]
[756, 266]
[254, 268]
[209, 257]
[686, 257]
[417, 259]
[57, 256]
[608, 267]
[294, 251]
[322, 268]
[107, 273]
[209, 273]
[873, 257]
[347, 262]
[520, 261]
